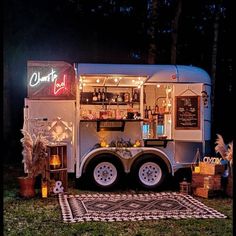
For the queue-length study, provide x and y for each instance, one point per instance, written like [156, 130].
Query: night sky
[113, 32]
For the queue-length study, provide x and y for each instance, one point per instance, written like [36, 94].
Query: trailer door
[56, 119]
[188, 122]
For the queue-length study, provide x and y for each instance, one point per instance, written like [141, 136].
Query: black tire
[104, 172]
[149, 172]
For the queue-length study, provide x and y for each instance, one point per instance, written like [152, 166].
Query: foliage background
[115, 31]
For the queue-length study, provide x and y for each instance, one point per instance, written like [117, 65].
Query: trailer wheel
[149, 172]
[104, 173]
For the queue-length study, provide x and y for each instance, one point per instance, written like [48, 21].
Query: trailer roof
[153, 73]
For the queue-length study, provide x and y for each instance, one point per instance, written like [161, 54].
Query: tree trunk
[214, 59]
[174, 35]
[152, 34]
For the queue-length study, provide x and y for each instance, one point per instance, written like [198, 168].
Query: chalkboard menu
[187, 112]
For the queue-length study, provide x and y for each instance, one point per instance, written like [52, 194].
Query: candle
[44, 190]
[103, 143]
[197, 169]
[137, 143]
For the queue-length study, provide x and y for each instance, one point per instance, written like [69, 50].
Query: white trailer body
[112, 135]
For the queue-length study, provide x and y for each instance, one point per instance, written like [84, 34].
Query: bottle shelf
[110, 97]
[108, 103]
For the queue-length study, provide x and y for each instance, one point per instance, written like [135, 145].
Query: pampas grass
[225, 150]
[220, 147]
[34, 153]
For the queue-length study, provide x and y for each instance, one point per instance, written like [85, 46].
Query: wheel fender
[154, 154]
[95, 155]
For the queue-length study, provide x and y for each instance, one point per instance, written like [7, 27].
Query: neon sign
[51, 80]
[59, 86]
[36, 78]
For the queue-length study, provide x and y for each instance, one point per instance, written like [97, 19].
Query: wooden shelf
[109, 103]
[113, 120]
[111, 124]
[58, 150]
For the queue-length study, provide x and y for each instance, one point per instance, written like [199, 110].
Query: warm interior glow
[55, 161]
[197, 169]
[103, 143]
[137, 143]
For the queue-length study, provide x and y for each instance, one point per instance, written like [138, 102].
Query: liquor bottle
[103, 95]
[127, 97]
[156, 109]
[149, 113]
[119, 98]
[99, 95]
[146, 113]
[135, 96]
[95, 98]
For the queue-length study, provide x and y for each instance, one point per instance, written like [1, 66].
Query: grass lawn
[39, 216]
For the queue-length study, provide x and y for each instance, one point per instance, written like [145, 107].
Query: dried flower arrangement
[34, 153]
[225, 151]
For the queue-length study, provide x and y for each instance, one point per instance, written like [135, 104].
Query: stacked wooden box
[207, 183]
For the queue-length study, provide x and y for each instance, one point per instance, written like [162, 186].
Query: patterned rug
[132, 207]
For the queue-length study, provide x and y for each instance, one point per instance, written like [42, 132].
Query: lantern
[55, 161]
[185, 187]
[208, 182]
[44, 189]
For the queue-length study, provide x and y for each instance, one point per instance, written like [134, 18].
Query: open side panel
[56, 120]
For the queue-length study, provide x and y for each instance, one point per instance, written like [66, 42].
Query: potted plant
[34, 159]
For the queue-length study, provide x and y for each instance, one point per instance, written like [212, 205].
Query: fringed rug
[132, 207]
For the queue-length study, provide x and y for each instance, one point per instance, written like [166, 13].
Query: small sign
[187, 112]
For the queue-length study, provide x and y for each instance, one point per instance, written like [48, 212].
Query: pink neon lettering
[58, 86]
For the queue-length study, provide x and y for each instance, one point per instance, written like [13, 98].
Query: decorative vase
[27, 189]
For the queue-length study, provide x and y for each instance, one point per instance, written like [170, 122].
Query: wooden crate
[206, 193]
[211, 168]
[198, 181]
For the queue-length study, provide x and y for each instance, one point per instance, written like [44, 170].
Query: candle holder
[44, 189]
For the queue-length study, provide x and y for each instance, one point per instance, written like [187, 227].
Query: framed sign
[187, 112]
[50, 80]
